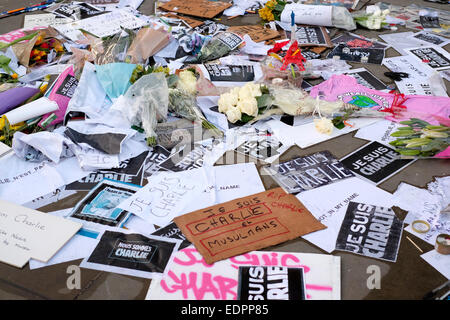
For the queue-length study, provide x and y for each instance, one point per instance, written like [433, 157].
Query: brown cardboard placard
[256, 32]
[247, 224]
[193, 23]
[196, 8]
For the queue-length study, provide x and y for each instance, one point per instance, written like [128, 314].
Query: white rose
[226, 101]
[255, 89]
[245, 92]
[187, 82]
[324, 125]
[233, 114]
[248, 106]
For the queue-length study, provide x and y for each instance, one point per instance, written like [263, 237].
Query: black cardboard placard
[375, 162]
[172, 231]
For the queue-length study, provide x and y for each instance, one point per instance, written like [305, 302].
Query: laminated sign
[245, 224]
[371, 231]
[271, 283]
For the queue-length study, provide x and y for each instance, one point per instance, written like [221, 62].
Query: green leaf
[264, 101]
[246, 118]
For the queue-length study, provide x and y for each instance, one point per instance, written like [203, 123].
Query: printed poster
[98, 209]
[435, 57]
[371, 231]
[308, 172]
[271, 283]
[131, 254]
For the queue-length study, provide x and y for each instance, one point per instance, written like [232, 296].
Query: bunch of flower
[243, 103]
[372, 20]
[141, 70]
[42, 49]
[272, 10]
[421, 139]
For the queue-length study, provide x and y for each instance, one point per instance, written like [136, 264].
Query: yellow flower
[271, 4]
[266, 14]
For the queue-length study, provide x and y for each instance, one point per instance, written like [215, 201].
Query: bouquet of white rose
[243, 104]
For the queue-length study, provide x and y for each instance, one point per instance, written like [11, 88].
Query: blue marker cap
[292, 18]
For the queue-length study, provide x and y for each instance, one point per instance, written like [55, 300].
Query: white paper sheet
[170, 194]
[26, 233]
[76, 248]
[379, 131]
[402, 40]
[438, 261]
[422, 204]
[35, 179]
[43, 20]
[329, 204]
[306, 135]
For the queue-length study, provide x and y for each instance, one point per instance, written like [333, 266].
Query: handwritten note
[190, 277]
[102, 25]
[27, 233]
[308, 15]
[245, 224]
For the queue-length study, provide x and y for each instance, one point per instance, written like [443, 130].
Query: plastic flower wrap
[419, 138]
[182, 99]
[147, 103]
[373, 19]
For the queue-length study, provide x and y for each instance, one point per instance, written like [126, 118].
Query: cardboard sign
[191, 22]
[196, 8]
[250, 223]
[375, 162]
[308, 172]
[271, 283]
[312, 36]
[435, 57]
[190, 278]
[131, 254]
[188, 158]
[371, 231]
[256, 32]
[26, 233]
